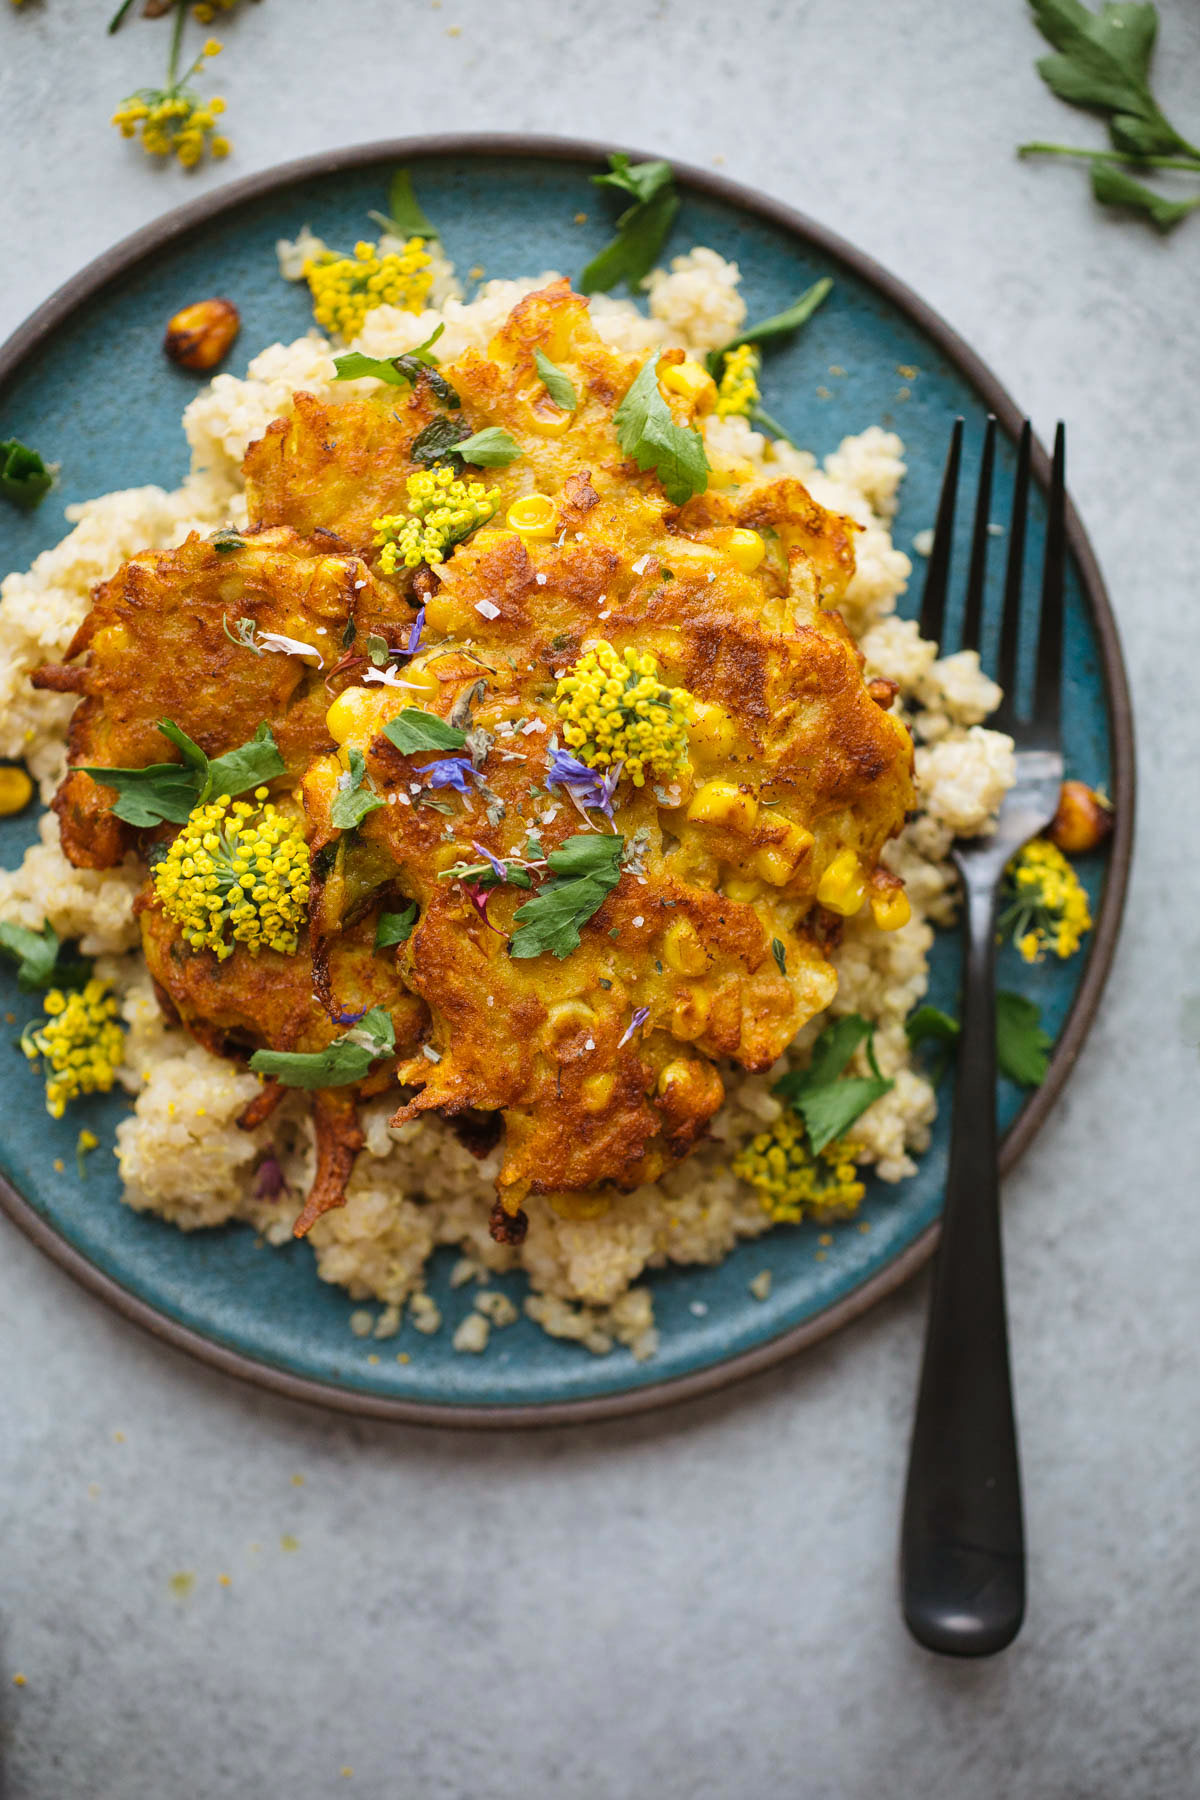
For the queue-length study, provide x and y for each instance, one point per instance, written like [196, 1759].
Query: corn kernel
[16, 790]
[842, 888]
[692, 381]
[690, 1014]
[357, 714]
[711, 734]
[595, 1092]
[777, 862]
[683, 948]
[891, 909]
[533, 516]
[739, 887]
[746, 549]
[447, 616]
[723, 803]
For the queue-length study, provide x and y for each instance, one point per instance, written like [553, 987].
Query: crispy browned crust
[728, 962]
[339, 1140]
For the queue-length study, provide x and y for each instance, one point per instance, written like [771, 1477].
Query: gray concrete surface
[699, 1606]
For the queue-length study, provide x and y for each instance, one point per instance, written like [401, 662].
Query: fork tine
[1048, 681]
[973, 614]
[933, 601]
[1010, 626]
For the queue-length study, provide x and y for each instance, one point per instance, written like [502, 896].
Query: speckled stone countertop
[699, 1605]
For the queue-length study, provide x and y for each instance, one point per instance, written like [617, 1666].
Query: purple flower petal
[499, 868]
[448, 771]
[585, 786]
[480, 898]
[638, 1020]
[414, 636]
[350, 1018]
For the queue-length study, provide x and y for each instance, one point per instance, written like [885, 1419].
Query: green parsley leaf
[585, 869]
[397, 371]
[413, 730]
[558, 385]
[395, 928]
[641, 230]
[249, 766]
[167, 792]
[647, 432]
[828, 1101]
[791, 319]
[226, 541]
[352, 803]
[1021, 1044]
[404, 218]
[346, 1060]
[1103, 64]
[376, 648]
[1113, 187]
[24, 477]
[929, 1024]
[436, 444]
[491, 448]
[780, 955]
[34, 952]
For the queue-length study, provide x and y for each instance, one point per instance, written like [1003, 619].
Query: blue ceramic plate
[86, 381]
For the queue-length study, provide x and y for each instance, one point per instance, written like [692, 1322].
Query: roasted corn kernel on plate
[480, 945]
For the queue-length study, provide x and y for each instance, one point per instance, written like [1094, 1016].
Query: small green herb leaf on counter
[585, 869]
[24, 477]
[827, 1100]
[641, 229]
[491, 448]
[395, 927]
[558, 385]
[412, 731]
[1103, 65]
[647, 432]
[346, 1060]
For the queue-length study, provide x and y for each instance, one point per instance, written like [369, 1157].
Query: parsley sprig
[397, 371]
[1102, 64]
[39, 957]
[584, 869]
[641, 229]
[1022, 1045]
[24, 477]
[826, 1098]
[647, 432]
[346, 1060]
[355, 797]
[168, 792]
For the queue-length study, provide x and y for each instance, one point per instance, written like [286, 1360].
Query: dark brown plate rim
[132, 250]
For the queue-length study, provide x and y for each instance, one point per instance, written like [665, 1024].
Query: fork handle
[963, 1541]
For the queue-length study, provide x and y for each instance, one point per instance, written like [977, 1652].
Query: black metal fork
[963, 1541]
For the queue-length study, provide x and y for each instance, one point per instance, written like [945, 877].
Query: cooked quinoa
[181, 1152]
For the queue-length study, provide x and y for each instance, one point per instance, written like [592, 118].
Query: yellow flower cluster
[441, 512]
[205, 11]
[791, 1183]
[172, 120]
[616, 710]
[738, 390]
[81, 1044]
[345, 288]
[1049, 905]
[236, 874]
